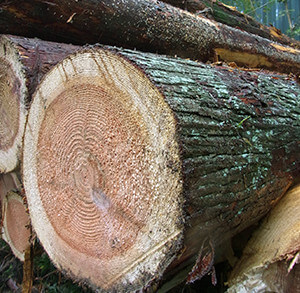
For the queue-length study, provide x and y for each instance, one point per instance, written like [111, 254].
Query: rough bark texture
[270, 261]
[237, 133]
[228, 15]
[148, 26]
[228, 131]
[23, 62]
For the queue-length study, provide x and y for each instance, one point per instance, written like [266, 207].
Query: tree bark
[148, 26]
[133, 161]
[228, 15]
[23, 62]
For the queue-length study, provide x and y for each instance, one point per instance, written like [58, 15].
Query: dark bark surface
[239, 132]
[222, 13]
[145, 25]
[37, 57]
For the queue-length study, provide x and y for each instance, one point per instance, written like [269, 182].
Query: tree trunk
[270, 261]
[148, 26]
[16, 229]
[228, 15]
[23, 62]
[132, 160]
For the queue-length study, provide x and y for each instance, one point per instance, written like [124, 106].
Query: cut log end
[102, 171]
[16, 224]
[12, 109]
[15, 219]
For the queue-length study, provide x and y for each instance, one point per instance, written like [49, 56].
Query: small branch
[28, 271]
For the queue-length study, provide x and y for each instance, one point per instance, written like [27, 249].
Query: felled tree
[147, 25]
[132, 160]
[23, 62]
[15, 220]
[270, 261]
[230, 16]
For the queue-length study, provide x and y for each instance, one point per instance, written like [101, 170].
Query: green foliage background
[283, 14]
[46, 277]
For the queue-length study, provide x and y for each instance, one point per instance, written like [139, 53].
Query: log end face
[104, 198]
[12, 109]
[16, 224]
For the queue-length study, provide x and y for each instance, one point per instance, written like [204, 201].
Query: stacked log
[136, 165]
[15, 228]
[15, 225]
[23, 62]
[122, 148]
[230, 16]
[146, 25]
[13, 112]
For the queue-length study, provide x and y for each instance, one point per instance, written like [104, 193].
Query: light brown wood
[273, 252]
[23, 62]
[8, 182]
[101, 200]
[16, 229]
[12, 106]
[16, 224]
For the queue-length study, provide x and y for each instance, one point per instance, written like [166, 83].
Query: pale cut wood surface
[16, 229]
[273, 252]
[99, 172]
[23, 62]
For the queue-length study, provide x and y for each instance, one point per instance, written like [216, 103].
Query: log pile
[146, 25]
[137, 165]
